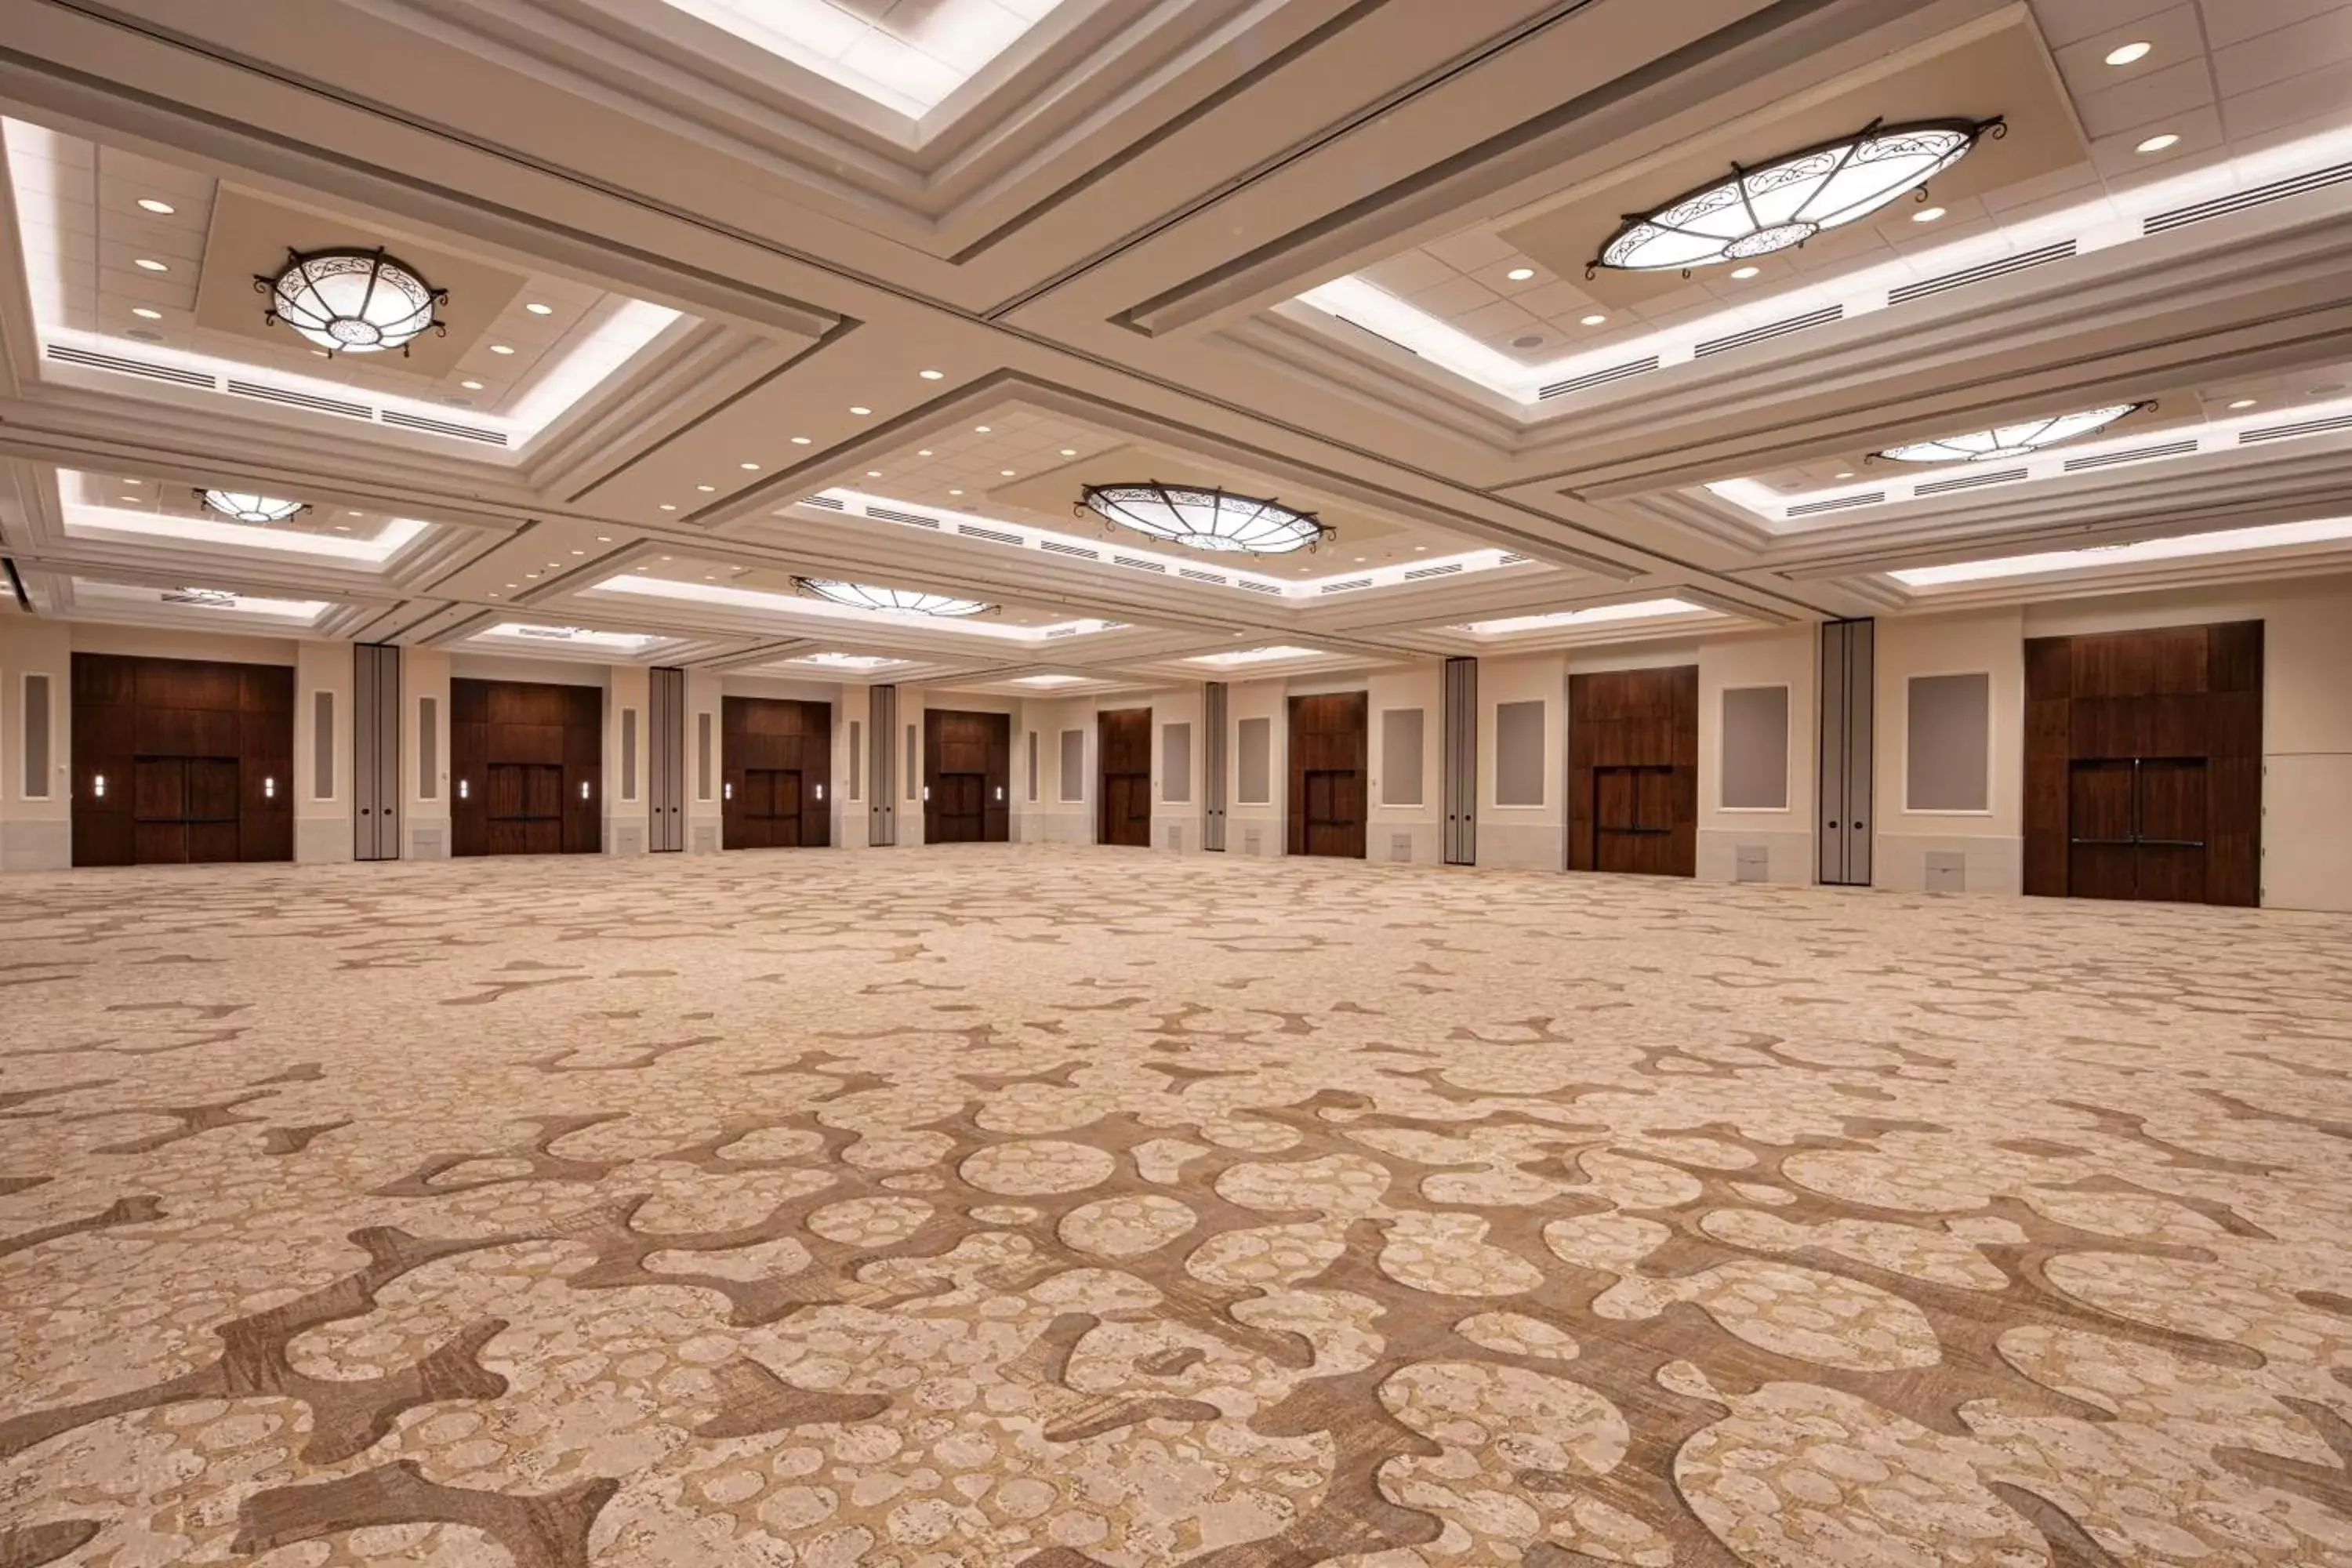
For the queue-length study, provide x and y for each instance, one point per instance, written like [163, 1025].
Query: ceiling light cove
[2013, 440]
[1255, 655]
[247, 506]
[904, 601]
[1205, 519]
[352, 301]
[1784, 203]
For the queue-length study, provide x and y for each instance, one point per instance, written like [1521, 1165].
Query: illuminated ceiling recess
[248, 508]
[352, 301]
[1788, 201]
[1205, 519]
[905, 601]
[2013, 440]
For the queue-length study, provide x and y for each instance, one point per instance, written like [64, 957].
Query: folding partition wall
[376, 748]
[1212, 765]
[1848, 696]
[1460, 761]
[882, 766]
[666, 761]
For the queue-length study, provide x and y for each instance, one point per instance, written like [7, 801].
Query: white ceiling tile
[1474, 251]
[2288, 52]
[1409, 273]
[2174, 36]
[2229, 22]
[1455, 297]
[2137, 101]
[2322, 96]
[2065, 22]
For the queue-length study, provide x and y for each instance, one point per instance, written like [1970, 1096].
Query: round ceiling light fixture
[2013, 440]
[352, 301]
[1788, 201]
[1205, 519]
[905, 601]
[247, 506]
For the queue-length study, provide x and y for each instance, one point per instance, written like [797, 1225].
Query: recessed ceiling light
[2244, 402]
[531, 574]
[154, 206]
[932, 374]
[144, 314]
[860, 410]
[1416, 547]
[578, 552]
[536, 309]
[342, 528]
[1521, 274]
[873, 473]
[471, 385]
[924, 452]
[800, 441]
[493, 595]
[603, 539]
[1069, 451]
[1845, 473]
[501, 348]
[1744, 273]
[706, 489]
[1927, 215]
[669, 505]
[1595, 318]
[749, 467]
[351, 514]
[1004, 473]
[149, 264]
[980, 429]
[2157, 143]
[1362, 558]
[2129, 54]
[955, 492]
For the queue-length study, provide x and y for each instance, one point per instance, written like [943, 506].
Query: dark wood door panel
[1329, 746]
[183, 747]
[1633, 771]
[526, 768]
[2143, 764]
[967, 776]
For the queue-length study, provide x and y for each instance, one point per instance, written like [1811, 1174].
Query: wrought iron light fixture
[1786, 202]
[1205, 519]
[208, 598]
[905, 601]
[352, 301]
[246, 507]
[2013, 440]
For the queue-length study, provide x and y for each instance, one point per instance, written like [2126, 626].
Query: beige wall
[36, 829]
[1262, 822]
[322, 822]
[1988, 842]
[1421, 826]
[425, 673]
[1534, 837]
[1789, 658]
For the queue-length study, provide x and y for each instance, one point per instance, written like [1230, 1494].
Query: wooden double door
[1633, 771]
[2143, 764]
[967, 777]
[181, 761]
[779, 758]
[526, 768]
[1330, 742]
[1123, 749]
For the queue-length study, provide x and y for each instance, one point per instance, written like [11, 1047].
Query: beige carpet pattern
[976, 1205]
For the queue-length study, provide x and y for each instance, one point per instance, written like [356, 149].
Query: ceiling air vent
[2223, 206]
[1509, 560]
[1967, 483]
[316, 405]
[1352, 583]
[1418, 572]
[91, 360]
[1130, 562]
[1838, 503]
[1193, 574]
[832, 505]
[993, 535]
[445, 428]
[1984, 272]
[1061, 631]
[1599, 377]
[2289, 432]
[1058, 548]
[2136, 455]
[1821, 317]
[1258, 587]
[891, 514]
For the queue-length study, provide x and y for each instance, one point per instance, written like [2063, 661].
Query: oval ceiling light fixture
[905, 601]
[2013, 440]
[1205, 519]
[1786, 202]
[247, 506]
[352, 301]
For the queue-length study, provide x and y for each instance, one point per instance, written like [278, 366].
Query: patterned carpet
[973, 1206]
